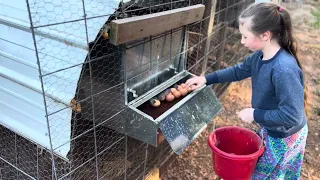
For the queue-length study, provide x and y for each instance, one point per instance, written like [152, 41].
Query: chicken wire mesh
[84, 79]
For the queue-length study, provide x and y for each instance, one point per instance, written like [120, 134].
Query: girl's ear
[265, 36]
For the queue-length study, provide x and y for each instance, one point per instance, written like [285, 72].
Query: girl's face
[248, 39]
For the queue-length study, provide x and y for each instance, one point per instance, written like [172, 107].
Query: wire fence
[84, 79]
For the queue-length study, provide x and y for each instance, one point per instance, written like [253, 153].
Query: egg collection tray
[180, 120]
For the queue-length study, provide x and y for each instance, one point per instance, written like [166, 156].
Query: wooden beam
[154, 174]
[129, 29]
[160, 137]
[212, 5]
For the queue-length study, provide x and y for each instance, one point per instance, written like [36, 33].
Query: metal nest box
[152, 62]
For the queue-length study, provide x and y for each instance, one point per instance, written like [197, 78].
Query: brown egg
[78, 108]
[73, 104]
[161, 96]
[179, 87]
[189, 89]
[105, 35]
[167, 91]
[183, 85]
[155, 102]
[176, 94]
[183, 91]
[170, 97]
[173, 90]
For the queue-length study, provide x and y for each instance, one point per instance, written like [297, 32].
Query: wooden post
[154, 174]
[212, 10]
[223, 31]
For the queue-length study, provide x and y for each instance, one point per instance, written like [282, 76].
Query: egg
[155, 102]
[170, 97]
[173, 90]
[189, 89]
[167, 91]
[75, 106]
[176, 94]
[183, 91]
[179, 87]
[183, 85]
[105, 35]
[78, 108]
[161, 96]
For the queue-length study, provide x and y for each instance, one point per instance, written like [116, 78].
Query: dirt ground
[196, 162]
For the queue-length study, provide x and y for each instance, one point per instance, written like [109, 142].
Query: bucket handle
[259, 134]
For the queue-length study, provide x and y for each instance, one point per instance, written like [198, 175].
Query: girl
[277, 89]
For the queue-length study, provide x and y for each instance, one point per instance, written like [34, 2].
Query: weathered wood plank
[211, 13]
[153, 174]
[129, 29]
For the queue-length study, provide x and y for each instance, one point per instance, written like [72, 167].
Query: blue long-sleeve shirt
[277, 90]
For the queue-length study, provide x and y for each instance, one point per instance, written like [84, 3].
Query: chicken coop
[79, 79]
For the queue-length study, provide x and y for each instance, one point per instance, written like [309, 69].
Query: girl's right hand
[196, 82]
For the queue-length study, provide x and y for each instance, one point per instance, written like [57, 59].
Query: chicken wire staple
[70, 45]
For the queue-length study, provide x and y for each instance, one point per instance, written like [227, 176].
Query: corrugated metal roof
[21, 100]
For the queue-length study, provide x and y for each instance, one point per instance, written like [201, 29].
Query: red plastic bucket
[235, 152]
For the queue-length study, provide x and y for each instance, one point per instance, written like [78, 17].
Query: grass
[316, 111]
[317, 92]
[317, 108]
[316, 80]
[316, 14]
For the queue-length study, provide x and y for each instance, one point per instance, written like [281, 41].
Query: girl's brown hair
[271, 17]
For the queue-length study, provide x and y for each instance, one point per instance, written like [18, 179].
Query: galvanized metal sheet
[61, 45]
[149, 59]
[183, 125]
